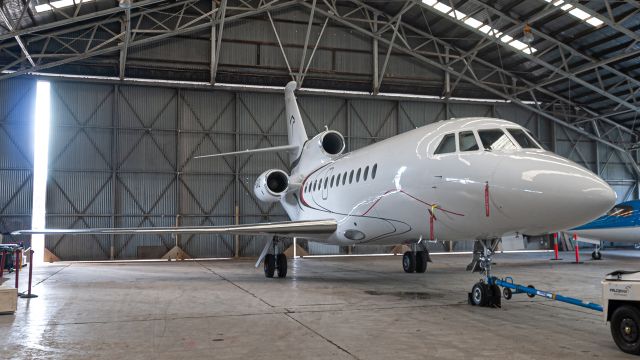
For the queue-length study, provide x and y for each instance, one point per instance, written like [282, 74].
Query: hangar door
[16, 155]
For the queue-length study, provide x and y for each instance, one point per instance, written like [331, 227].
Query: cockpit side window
[621, 211]
[447, 145]
[467, 141]
[495, 139]
[523, 139]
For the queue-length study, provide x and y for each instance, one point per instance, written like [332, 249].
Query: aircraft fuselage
[400, 189]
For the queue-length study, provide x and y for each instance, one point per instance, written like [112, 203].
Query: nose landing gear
[596, 255]
[485, 293]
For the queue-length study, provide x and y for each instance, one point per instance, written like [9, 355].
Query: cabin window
[332, 179]
[366, 172]
[344, 178]
[373, 171]
[338, 180]
[326, 182]
[358, 174]
[315, 182]
[351, 177]
[495, 139]
[621, 211]
[523, 139]
[447, 145]
[467, 141]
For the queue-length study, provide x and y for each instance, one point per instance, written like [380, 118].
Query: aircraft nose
[559, 194]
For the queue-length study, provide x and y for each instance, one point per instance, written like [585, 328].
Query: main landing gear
[274, 261]
[414, 260]
[484, 292]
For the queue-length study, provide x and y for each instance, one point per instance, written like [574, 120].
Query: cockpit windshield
[495, 139]
[524, 139]
[621, 210]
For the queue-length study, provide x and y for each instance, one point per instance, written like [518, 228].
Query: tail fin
[295, 127]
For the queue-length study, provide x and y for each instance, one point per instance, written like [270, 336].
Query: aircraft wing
[252, 151]
[310, 228]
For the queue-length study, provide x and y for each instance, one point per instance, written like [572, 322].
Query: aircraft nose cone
[558, 194]
[585, 198]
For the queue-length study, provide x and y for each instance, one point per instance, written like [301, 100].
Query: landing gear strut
[416, 260]
[272, 263]
[484, 292]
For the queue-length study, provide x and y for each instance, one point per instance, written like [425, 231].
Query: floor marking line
[322, 337]
[234, 284]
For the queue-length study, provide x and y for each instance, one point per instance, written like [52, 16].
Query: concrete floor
[328, 308]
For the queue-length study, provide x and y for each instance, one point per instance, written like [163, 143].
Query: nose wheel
[485, 293]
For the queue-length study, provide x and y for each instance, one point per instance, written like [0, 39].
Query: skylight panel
[480, 26]
[459, 15]
[506, 39]
[59, 4]
[595, 21]
[442, 7]
[473, 22]
[576, 12]
[518, 45]
[582, 15]
[485, 29]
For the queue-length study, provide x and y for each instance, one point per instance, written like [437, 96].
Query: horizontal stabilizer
[253, 151]
[309, 228]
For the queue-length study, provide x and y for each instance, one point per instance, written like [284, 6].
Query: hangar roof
[581, 67]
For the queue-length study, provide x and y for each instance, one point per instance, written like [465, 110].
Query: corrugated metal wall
[124, 156]
[17, 105]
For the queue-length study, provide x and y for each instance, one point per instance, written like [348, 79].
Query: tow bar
[510, 288]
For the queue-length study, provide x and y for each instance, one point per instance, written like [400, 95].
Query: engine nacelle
[331, 142]
[322, 148]
[271, 185]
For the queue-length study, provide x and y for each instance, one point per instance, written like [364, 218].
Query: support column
[237, 170]
[374, 85]
[115, 123]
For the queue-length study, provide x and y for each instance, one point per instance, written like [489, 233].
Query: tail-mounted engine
[322, 148]
[331, 142]
[271, 185]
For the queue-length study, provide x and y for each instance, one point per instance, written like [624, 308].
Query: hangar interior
[105, 106]
[139, 89]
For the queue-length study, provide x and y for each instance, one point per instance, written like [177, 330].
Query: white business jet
[464, 179]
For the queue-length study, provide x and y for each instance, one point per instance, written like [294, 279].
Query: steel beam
[21, 43]
[77, 19]
[593, 62]
[306, 44]
[126, 28]
[608, 19]
[533, 58]
[103, 49]
[217, 39]
[284, 54]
